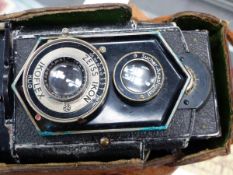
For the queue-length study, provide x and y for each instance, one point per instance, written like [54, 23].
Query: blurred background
[152, 8]
[220, 8]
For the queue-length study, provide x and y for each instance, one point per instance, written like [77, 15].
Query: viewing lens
[138, 76]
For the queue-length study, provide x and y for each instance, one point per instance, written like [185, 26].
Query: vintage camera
[105, 93]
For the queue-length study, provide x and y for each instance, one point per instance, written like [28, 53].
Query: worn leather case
[115, 14]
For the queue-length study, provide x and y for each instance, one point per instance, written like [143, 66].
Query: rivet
[104, 141]
[102, 49]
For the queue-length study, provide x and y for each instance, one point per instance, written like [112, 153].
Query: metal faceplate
[119, 114]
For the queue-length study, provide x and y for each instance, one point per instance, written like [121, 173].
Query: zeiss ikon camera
[113, 92]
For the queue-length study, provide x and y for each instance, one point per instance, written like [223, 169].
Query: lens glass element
[65, 79]
[138, 76]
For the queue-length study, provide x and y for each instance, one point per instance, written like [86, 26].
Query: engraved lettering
[29, 81]
[37, 80]
[92, 92]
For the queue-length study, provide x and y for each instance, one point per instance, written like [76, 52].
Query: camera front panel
[142, 69]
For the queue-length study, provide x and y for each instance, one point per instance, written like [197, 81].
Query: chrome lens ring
[138, 76]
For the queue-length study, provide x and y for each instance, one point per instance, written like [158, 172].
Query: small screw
[142, 96]
[102, 49]
[104, 141]
[65, 31]
[186, 102]
[38, 117]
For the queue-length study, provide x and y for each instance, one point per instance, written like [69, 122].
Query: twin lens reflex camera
[101, 94]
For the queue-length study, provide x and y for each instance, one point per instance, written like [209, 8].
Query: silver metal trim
[96, 32]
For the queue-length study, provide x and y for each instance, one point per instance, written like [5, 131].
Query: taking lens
[64, 78]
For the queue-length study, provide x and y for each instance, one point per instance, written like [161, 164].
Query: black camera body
[107, 93]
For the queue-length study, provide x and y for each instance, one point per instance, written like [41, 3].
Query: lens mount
[138, 76]
[65, 80]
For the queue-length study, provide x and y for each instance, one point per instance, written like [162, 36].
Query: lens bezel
[135, 96]
[81, 109]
